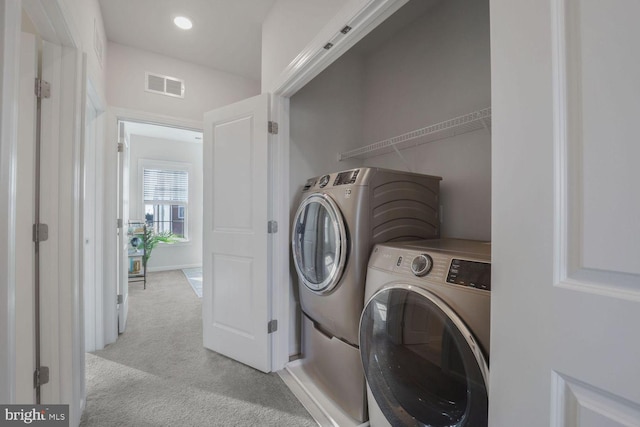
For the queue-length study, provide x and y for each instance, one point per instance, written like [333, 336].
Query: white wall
[289, 26]
[205, 88]
[178, 255]
[436, 69]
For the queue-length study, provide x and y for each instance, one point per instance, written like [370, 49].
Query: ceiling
[226, 34]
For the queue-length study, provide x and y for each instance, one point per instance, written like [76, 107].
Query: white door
[235, 306]
[123, 240]
[565, 344]
[25, 206]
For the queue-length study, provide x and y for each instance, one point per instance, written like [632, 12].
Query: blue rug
[194, 276]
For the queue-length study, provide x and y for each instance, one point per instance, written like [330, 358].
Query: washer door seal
[319, 243]
[422, 364]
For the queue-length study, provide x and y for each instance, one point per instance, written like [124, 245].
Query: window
[166, 198]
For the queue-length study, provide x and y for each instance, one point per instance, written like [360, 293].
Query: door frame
[65, 353]
[362, 16]
[114, 115]
[93, 100]
[10, 16]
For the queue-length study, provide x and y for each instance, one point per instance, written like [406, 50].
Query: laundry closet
[427, 64]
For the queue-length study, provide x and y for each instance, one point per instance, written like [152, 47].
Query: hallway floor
[158, 373]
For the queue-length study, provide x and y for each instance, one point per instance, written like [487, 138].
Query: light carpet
[194, 276]
[158, 373]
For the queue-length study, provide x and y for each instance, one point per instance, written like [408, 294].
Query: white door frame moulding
[362, 16]
[10, 18]
[62, 353]
[115, 114]
[97, 304]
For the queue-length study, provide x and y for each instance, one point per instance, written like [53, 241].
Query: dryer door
[319, 243]
[422, 364]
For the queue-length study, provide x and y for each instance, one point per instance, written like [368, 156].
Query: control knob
[421, 265]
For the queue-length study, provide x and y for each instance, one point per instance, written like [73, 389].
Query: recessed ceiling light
[183, 22]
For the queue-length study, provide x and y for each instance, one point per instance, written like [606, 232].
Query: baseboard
[171, 267]
[321, 408]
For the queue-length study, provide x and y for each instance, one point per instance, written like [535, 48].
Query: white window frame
[172, 166]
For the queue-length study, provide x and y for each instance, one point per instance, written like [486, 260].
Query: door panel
[235, 306]
[566, 300]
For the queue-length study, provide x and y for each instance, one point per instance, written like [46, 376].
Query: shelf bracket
[406, 163]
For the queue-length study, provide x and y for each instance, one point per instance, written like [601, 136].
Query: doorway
[159, 202]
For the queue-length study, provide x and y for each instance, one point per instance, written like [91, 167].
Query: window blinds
[166, 185]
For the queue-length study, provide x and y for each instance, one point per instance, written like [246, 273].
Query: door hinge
[272, 326]
[42, 89]
[119, 299]
[119, 223]
[120, 147]
[40, 233]
[273, 128]
[272, 227]
[40, 376]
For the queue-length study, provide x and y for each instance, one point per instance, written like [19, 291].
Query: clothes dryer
[339, 219]
[424, 333]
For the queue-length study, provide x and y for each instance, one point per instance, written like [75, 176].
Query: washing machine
[424, 333]
[339, 219]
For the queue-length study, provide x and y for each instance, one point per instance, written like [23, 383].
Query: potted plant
[152, 238]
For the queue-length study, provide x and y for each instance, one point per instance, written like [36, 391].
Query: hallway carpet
[158, 374]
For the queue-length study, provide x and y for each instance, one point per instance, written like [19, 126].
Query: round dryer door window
[422, 364]
[319, 243]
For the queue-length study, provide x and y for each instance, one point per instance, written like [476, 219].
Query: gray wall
[433, 69]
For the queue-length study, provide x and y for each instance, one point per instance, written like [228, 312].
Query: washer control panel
[421, 265]
[445, 267]
[470, 273]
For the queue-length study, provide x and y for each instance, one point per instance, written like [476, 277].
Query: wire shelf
[480, 119]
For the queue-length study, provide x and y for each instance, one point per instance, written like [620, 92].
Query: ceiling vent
[164, 85]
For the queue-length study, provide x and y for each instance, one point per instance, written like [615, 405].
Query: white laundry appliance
[339, 219]
[424, 333]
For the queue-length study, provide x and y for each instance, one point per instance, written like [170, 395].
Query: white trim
[129, 115]
[62, 351]
[361, 15]
[279, 211]
[50, 17]
[98, 104]
[10, 18]
[171, 267]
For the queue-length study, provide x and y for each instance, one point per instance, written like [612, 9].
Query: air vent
[164, 85]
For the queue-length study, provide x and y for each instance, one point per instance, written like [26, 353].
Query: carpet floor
[158, 374]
